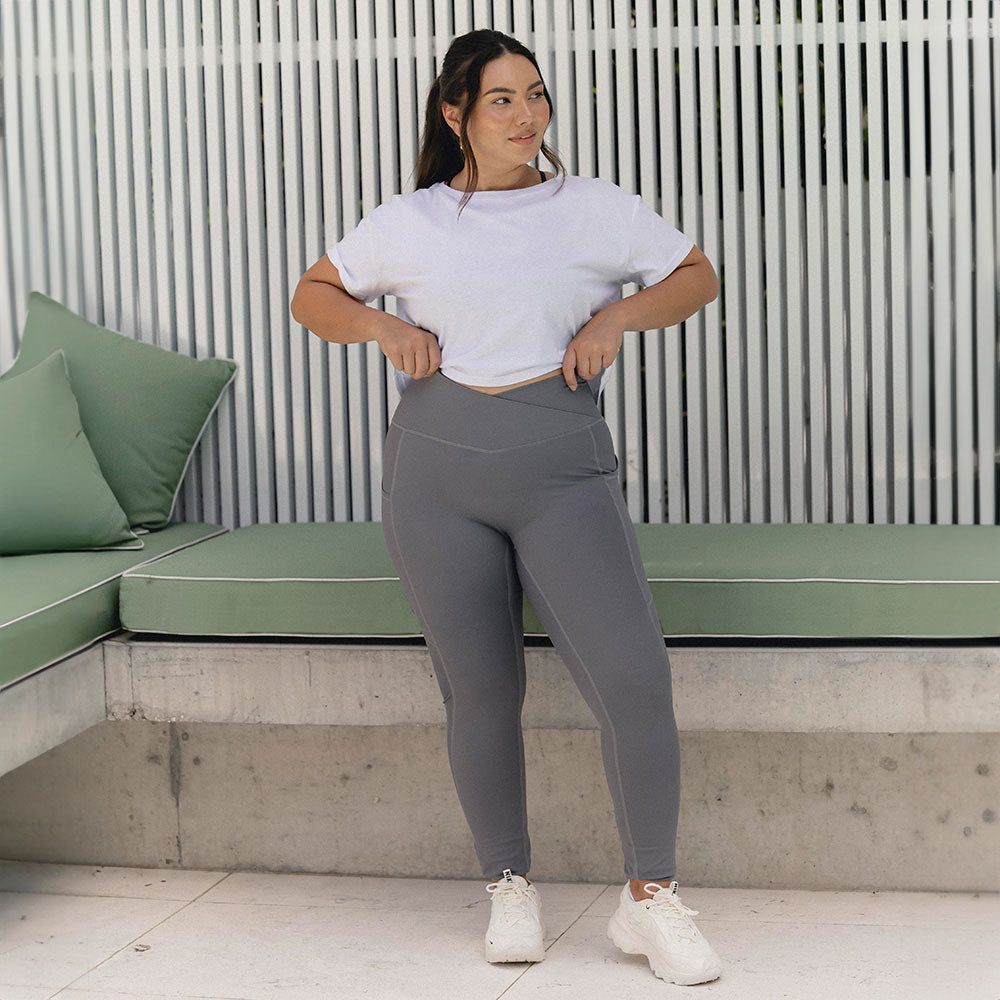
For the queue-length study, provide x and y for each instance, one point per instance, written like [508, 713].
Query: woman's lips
[524, 142]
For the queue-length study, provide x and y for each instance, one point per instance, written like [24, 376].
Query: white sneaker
[515, 933]
[661, 928]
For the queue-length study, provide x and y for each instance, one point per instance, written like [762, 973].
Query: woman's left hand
[593, 348]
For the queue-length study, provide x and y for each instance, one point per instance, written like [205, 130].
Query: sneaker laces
[515, 900]
[667, 904]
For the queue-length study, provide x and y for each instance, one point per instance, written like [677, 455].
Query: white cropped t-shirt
[505, 286]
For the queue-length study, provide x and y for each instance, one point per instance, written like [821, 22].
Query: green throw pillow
[52, 494]
[143, 408]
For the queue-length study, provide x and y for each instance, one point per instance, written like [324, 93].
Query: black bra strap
[542, 172]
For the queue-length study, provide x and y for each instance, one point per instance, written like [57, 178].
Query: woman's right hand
[408, 347]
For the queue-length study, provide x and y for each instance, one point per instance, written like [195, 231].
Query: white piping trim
[805, 579]
[297, 635]
[100, 583]
[58, 659]
[131, 575]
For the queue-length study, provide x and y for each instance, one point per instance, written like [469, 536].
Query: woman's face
[509, 117]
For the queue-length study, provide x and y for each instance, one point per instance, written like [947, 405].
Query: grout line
[148, 930]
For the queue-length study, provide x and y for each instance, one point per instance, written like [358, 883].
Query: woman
[500, 474]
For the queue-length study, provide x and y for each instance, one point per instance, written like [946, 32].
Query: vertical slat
[365, 361]
[582, 45]
[178, 235]
[835, 251]
[321, 184]
[17, 195]
[985, 290]
[671, 207]
[624, 173]
[410, 106]
[424, 53]
[203, 44]
[919, 276]
[350, 216]
[796, 312]
[105, 161]
[898, 312]
[162, 320]
[272, 304]
[647, 99]
[251, 101]
[692, 361]
[707, 320]
[8, 326]
[69, 236]
[819, 501]
[123, 313]
[564, 95]
[296, 55]
[48, 161]
[959, 208]
[39, 274]
[748, 358]
[88, 178]
[882, 417]
[774, 405]
[734, 261]
[380, 372]
[941, 275]
[192, 224]
[858, 266]
[239, 177]
[142, 250]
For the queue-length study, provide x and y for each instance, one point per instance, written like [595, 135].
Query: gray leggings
[483, 495]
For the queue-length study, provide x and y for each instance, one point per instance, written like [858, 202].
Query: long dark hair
[442, 153]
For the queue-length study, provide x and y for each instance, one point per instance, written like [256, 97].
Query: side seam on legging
[607, 715]
[518, 646]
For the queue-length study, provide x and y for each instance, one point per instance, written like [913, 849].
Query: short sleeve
[362, 255]
[655, 246]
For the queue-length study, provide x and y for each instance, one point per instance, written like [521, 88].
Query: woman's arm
[691, 285]
[324, 306]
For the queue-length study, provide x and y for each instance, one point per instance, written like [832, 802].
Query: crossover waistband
[442, 408]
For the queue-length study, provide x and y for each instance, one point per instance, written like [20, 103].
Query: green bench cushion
[55, 603]
[781, 581]
[334, 578]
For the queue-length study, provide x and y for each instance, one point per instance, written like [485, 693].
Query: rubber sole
[520, 952]
[632, 944]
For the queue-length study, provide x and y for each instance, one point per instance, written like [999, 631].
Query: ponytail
[440, 153]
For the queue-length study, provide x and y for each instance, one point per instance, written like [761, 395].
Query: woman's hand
[408, 347]
[593, 348]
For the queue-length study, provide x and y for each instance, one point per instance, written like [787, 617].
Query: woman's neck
[510, 180]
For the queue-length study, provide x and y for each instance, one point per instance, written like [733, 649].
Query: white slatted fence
[169, 169]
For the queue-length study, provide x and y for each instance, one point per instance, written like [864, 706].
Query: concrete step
[818, 768]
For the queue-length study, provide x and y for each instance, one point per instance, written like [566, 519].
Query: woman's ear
[453, 117]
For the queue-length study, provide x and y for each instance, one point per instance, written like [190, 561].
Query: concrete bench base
[796, 810]
[804, 768]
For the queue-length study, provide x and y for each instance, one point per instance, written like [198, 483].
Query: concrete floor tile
[367, 892]
[50, 940]
[104, 880]
[764, 961]
[25, 992]
[260, 952]
[956, 910]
